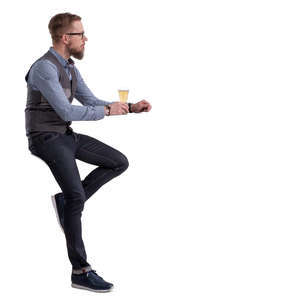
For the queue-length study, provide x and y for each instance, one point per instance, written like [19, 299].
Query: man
[52, 82]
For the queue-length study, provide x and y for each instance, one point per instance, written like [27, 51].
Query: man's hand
[118, 108]
[141, 106]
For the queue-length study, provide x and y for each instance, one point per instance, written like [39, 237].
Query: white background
[209, 206]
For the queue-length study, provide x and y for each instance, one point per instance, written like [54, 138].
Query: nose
[85, 38]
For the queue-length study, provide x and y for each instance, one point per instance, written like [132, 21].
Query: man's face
[76, 42]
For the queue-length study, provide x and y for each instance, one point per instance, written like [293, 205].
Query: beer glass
[123, 94]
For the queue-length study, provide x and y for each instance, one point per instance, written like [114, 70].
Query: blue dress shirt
[43, 76]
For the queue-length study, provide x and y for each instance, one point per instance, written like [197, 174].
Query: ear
[65, 39]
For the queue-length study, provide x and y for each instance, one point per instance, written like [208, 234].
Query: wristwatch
[108, 108]
[129, 107]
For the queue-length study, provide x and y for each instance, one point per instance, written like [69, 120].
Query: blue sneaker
[58, 204]
[91, 281]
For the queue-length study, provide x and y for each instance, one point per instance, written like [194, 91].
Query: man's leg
[111, 162]
[59, 154]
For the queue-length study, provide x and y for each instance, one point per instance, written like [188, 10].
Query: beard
[76, 53]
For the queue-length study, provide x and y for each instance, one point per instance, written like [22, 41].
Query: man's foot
[91, 281]
[58, 204]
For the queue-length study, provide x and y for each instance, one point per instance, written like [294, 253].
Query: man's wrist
[130, 107]
[107, 110]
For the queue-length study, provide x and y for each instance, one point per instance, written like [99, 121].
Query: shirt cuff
[102, 102]
[99, 112]
[108, 102]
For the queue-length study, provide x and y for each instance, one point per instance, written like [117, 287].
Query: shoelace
[94, 271]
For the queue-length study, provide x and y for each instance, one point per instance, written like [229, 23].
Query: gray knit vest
[39, 114]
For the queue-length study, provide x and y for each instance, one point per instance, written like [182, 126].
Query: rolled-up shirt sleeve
[84, 95]
[45, 78]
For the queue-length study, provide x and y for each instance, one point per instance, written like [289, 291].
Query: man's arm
[45, 78]
[84, 95]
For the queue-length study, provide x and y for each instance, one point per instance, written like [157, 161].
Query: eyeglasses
[76, 33]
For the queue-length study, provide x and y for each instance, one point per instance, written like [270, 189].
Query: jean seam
[99, 155]
[89, 186]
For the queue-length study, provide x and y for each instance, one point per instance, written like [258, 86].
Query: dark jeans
[59, 152]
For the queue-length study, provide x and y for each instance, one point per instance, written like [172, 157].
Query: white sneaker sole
[56, 212]
[89, 289]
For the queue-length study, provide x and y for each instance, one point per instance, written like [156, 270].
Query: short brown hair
[60, 23]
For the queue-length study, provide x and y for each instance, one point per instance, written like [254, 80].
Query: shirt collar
[65, 63]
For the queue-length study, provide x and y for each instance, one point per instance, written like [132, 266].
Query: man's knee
[123, 163]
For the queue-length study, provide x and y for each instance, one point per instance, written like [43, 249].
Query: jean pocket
[49, 137]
